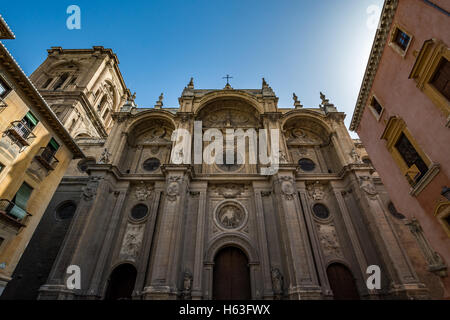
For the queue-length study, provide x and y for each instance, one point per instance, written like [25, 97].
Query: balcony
[46, 158]
[13, 214]
[20, 134]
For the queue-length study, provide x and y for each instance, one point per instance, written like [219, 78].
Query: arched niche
[308, 139]
[148, 138]
[229, 112]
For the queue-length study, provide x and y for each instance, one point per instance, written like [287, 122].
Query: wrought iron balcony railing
[20, 133]
[46, 157]
[13, 213]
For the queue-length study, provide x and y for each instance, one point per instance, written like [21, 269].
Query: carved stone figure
[277, 283]
[105, 158]
[230, 216]
[187, 285]
[355, 156]
[230, 190]
[329, 241]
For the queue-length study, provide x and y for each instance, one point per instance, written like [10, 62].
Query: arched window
[66, 210]
[60, 81]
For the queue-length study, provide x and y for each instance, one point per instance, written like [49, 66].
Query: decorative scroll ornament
[315, 191]
[329, 241]
[132, 241]
[287, 187]
[90, 190]
[367, 186]
[230, 190]
[143, 192]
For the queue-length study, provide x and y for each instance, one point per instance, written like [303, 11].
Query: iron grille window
[151, 164]
[402, 39]
[320, 211]
[306, 164]
[410, 155]
[139, 211]
[441, 79]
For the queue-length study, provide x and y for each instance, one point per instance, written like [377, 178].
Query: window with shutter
[20, 201]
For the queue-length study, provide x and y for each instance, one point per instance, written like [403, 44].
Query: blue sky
[300, 46]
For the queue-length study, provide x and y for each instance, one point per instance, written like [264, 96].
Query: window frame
[424, 70]
[392, 41]
[372, 108]
[392, 133]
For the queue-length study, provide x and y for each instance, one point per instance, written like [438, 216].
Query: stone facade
[325, 206]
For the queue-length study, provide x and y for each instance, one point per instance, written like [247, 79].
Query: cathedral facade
[140, 226]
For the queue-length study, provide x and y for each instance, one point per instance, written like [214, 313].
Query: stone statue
[161, 97]
[104, 159]
[294, 96]
[355, 156]
[187, 285]
[283, 158]
[277, 283]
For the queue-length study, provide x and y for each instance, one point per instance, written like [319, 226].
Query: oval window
[139, 211]
[66, 210]
[151, 164]
[320, 211]
[306, 164]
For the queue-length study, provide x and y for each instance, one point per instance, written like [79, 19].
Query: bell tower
[83, 87]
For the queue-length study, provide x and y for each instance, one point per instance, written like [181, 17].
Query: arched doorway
[231, 279]
[121, 282]
[342, 282]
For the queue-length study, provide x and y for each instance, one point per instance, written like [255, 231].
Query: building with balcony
[35, 151]
[402, 116]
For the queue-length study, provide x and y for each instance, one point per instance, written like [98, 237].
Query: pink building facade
[402, 116]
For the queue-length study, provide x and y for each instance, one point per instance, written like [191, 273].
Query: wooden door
[231, 280]
[342, 282]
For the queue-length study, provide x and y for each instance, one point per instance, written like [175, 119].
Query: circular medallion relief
[230, 215]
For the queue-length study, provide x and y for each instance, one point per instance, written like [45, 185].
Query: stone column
[101, 267]
[300, 266]
[166, 265]
[144, 257]
[197, 286]
[263, 247]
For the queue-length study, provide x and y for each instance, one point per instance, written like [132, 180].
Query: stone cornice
[27, 87]
[381, 36]
[5, 31]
